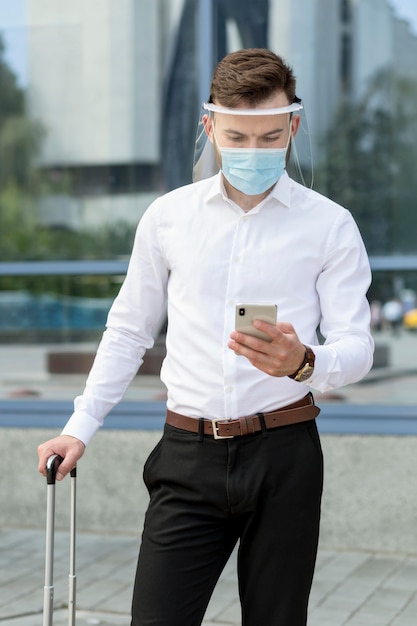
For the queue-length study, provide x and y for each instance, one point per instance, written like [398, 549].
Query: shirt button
[229, 389]
[236, 259]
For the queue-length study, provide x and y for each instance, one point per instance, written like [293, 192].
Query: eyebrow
[232, 131]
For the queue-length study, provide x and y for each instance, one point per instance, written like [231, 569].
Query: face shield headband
[299, 164]
[291, 108]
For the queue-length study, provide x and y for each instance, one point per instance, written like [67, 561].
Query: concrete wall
[369, 503]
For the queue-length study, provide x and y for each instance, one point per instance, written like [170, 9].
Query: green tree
[20, 140]
[22, 184]
[371, 151]
[22, 236]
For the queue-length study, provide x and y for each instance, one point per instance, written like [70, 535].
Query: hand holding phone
[247, 313]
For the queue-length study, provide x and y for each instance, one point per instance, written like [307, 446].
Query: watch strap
[306, 367]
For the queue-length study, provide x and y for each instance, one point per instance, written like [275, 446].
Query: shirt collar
[216, 187]
[281, 192]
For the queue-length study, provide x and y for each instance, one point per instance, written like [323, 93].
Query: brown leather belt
[300, 411]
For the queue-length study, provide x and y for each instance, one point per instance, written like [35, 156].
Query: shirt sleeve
[347, 353]
[132, 323]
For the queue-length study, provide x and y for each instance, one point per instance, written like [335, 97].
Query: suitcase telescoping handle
[52, 465]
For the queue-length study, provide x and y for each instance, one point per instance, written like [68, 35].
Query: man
[240, 459]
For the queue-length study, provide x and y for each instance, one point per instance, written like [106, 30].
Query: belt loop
[263, 425]
[200, 430]
[244, 427]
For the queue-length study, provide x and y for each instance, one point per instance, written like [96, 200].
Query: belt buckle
[215, 425]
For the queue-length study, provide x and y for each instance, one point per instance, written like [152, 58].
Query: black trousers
[263, 490]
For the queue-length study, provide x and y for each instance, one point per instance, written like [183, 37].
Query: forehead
[256, 124]
[251, 124]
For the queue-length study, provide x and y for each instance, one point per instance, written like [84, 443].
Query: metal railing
[338, 419]
[388, 263]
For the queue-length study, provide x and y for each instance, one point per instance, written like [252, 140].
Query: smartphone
[247, 313]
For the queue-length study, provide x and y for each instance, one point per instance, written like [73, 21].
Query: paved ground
[350, 588]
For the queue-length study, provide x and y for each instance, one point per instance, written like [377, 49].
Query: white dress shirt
[199, 254]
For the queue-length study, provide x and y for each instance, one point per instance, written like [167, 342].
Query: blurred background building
[118, 85]
[99, 104]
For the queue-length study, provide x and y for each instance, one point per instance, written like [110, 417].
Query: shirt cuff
[324, 364]
[81, 426]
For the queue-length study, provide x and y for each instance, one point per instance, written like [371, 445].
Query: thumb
[70, 460]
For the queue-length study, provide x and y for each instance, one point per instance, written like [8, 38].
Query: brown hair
[251, 76]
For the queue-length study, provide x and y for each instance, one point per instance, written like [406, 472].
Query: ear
[295, 124]
[208, 126]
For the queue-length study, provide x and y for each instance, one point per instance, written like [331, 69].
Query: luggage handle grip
[52, 465]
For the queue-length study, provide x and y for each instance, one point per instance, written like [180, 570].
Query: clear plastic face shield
[265, 128]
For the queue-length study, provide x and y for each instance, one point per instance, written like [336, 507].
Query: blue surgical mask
[253, 170]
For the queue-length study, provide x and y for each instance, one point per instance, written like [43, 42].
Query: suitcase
[48, 598]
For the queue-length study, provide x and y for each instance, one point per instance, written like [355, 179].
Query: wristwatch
[306, 368]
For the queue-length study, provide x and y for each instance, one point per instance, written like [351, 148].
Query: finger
[69, 462]
[285, 328]
[44, 452]
[271, 330]
[246, 345]
[63, 469]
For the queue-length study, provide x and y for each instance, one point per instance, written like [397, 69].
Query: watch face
[305, 373]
